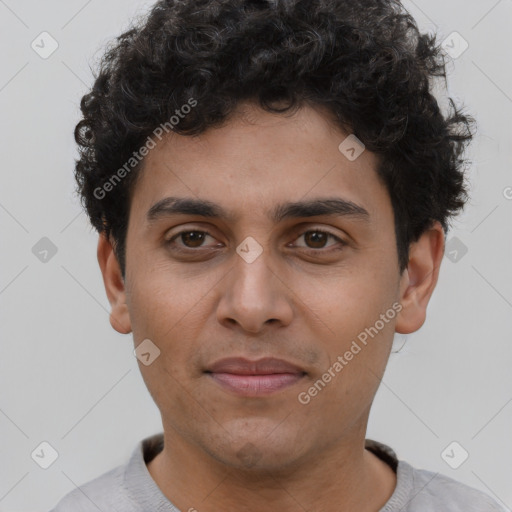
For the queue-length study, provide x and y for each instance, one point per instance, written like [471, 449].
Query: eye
[190, 239]
[314, 239]
[317, 239]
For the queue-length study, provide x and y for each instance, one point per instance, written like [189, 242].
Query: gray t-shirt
[130, 488]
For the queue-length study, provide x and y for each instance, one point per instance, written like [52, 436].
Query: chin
[259, 452]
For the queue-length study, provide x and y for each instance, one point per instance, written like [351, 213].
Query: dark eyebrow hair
[190, 206]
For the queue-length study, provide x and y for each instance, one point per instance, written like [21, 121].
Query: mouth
[255, 378]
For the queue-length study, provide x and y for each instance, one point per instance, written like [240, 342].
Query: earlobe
[420, 278]
[114, 286]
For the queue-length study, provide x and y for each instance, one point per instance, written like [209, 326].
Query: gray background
[67, 378]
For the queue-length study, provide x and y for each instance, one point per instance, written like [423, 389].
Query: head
[211, 122]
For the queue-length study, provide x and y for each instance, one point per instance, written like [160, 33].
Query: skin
[304, 299]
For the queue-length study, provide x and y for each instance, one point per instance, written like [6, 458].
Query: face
[286, 250]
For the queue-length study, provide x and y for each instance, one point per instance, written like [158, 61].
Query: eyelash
[170, 242]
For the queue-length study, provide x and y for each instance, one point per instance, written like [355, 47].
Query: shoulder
[420, 490]
[430, 491]
[126, 488]
[103, 493]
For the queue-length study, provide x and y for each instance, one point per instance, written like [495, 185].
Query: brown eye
[189, 239]
[317, 239]
[192, 238]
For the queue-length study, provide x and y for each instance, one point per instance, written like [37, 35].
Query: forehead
[257, 160]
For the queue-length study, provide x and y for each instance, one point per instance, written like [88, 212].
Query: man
[272, 182]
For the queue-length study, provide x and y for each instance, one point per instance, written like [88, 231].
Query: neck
[343, 477]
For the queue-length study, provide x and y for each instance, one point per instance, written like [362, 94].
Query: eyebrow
[325, 206]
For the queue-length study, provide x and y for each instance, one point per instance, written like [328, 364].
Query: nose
[254, 296]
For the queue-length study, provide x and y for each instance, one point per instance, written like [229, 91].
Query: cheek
[171, 309]
[347, 303]
[161, 300]
[170, 315]
[350, 308]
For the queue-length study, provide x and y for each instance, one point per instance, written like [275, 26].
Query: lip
[264, 366]
[255, 378]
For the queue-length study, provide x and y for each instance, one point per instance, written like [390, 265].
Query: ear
[114, 286]
[420, 278]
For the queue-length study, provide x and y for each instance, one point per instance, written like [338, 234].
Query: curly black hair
[364, 61]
